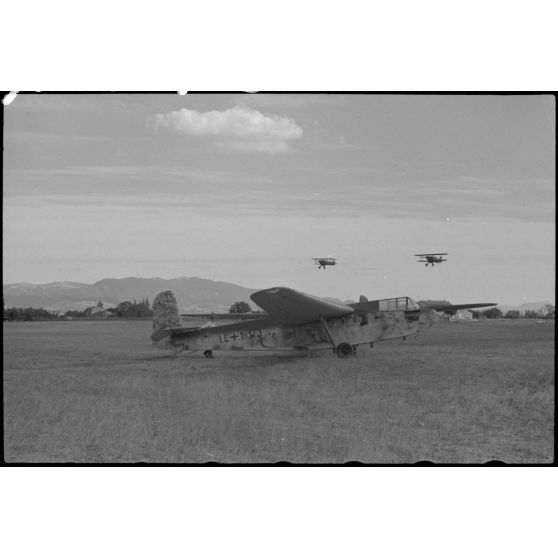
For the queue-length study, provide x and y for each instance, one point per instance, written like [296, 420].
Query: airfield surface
[462, 392]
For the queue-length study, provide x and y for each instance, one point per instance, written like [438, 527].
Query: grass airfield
[97, 392]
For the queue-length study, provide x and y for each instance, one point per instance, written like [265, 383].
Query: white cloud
[240, 128]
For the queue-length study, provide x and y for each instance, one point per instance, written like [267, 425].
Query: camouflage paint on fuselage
[356, 329]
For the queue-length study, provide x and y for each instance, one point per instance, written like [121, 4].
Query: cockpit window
[411, 304]
[397, 304]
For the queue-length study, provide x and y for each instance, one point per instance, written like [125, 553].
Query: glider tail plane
[165, 315]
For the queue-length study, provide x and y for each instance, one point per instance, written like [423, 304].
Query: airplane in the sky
[431, 259]
[322, 262]
[294, 320]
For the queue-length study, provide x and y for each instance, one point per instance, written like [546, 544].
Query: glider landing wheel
[208, 354]
[344, 350]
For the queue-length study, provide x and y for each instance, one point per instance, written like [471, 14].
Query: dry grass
[459, 393]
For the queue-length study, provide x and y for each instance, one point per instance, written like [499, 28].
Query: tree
[512, 314]
[28, 314]
[240, 308]
[134, 309]
[492, 313]
[549, 311]
[124, 308]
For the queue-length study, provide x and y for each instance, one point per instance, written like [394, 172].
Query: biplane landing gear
[208, 354]
[344, 350]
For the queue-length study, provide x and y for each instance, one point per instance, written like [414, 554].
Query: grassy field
[458, 393]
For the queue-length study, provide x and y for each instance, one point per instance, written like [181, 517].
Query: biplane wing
[433, 254]
[288, 307]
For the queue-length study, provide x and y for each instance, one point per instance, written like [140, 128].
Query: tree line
[126, 309]
[142, 309]
[546, 312]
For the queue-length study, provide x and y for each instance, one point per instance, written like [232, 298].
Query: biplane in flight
[431, 259]
[322, 262]
[294, 320]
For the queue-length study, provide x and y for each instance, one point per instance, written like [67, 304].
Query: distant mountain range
[193, 294]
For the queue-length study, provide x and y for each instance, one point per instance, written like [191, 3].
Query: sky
[248, 188]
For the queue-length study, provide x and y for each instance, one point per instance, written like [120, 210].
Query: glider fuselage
[361, 327]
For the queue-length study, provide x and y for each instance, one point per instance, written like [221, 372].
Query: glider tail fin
[165, 315]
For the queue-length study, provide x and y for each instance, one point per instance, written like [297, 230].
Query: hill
[192, 293]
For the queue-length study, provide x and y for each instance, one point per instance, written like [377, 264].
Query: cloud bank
[240, 128]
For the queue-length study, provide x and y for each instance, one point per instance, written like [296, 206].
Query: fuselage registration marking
[251, 333]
